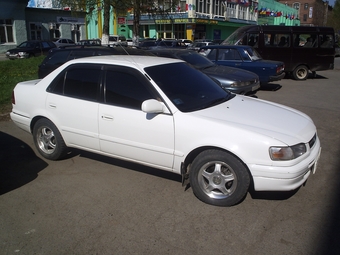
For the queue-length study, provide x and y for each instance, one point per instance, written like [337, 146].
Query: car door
[127, 132]
[73, 105]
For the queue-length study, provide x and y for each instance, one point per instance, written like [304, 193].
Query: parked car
[186, 41]
[117, 40]
[199, 43]
[170, 43]
[147, 43]
[96, 42]
[63, 42]
[247, 58]
[30, 49]
[232, 79]
[163, 113]
[59, 56]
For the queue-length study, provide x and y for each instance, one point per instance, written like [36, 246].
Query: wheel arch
[185, 166]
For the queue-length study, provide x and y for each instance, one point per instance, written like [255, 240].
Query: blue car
[245, 57]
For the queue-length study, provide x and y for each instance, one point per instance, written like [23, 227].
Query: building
[310, 12]
[195, 19]
[19, 23]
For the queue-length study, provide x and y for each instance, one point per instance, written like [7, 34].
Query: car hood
[235, 74]
[20, 50]
[276, 121]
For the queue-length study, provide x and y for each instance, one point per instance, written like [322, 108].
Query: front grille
[312, 141]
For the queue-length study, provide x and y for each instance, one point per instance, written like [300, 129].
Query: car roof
[126, 60]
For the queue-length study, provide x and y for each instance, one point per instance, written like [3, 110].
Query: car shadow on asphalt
[263, 195]
[126, 164]
[18, 163]
[270, 87]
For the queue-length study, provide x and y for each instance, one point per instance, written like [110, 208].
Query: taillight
[280, 69]
[13, 97]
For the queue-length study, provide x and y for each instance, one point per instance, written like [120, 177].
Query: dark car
[58, 56]
[231, 79]
[30, 49]
[90, 42]
[247, 58]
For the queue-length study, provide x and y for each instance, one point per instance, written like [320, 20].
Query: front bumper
[277, 77]
[272, 178]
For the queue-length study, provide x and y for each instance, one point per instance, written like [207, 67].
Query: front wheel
[300, 73]
[219, 178]
[48, 140]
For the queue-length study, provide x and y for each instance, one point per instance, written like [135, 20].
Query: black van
[302, 49]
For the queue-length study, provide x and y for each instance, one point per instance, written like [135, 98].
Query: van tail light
[13, 97]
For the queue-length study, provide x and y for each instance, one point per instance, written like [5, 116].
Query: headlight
[21, 53]
[287, 153]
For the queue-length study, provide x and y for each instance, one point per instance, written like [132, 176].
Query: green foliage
[333, 17]
[12, 72]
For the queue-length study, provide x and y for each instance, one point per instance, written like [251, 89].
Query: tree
[334, 17]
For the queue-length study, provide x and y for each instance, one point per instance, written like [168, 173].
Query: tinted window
[126, 88]
[78, 81]
[45, 45]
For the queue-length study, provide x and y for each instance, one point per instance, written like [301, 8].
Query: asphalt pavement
[90, 204]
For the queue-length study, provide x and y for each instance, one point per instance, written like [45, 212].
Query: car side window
[229, 54]
[126, 87]
[79, 81]
[212, 54]
[45, 45]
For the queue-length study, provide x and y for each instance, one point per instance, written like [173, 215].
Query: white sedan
[163, 113]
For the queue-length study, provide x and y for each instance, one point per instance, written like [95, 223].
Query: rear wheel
[48, 140]
[219, 178]
[300, 73]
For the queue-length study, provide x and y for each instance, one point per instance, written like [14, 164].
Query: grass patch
[12, 72]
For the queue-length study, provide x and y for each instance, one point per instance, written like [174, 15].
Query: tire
[300, 73]
[48, 140]
[219, 178]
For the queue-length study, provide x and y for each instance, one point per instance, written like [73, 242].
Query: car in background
[186, 41]
[59, 56]
[247, 58]
[29, 49]
[199, 43]
[147, 43]
[117, 40]
[170, 43]
[63, 42]
[165, 114]
[92, 42]
[232, 79]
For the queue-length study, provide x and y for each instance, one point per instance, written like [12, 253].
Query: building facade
[19, 23]
[310, 12]
[192, 19]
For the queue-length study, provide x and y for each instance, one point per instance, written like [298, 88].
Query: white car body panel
[244, 126]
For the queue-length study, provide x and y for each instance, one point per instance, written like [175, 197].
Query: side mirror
[152, 106]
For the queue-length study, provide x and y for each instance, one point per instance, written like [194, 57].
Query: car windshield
[195, 59]
[190, 89]
[252, 53]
